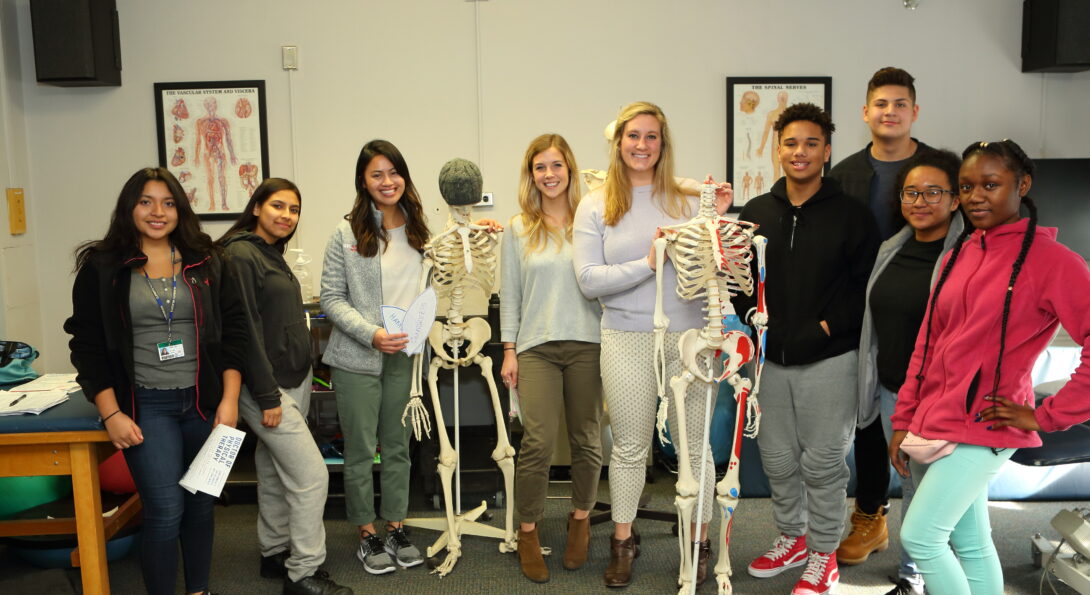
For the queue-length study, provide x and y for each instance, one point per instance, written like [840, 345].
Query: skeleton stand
[711, 255]
[462, 255]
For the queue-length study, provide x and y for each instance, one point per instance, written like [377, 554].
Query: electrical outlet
[289, 55]
[486, 200]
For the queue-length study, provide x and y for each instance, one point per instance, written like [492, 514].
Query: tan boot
[575, 553]
[530, 558]
[621, 554]
[869, 534]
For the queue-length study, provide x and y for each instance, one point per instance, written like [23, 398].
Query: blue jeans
[173, 434]
[888, 403]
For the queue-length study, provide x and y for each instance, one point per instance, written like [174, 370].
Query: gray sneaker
[374, 557]
[398, 546]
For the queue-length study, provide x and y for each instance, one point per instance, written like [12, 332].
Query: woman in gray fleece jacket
[375, 257]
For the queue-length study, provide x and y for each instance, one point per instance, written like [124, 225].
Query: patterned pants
[628, 381]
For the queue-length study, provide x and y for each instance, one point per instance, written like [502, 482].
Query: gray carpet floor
[483, 569]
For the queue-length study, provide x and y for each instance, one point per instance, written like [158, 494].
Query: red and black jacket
[101, 327]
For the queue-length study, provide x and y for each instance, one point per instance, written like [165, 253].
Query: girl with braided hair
[1006, 283]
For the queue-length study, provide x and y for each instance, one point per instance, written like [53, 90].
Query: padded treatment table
[66, 440]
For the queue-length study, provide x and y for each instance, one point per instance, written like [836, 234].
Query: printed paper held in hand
[210, 468]
[416, 321]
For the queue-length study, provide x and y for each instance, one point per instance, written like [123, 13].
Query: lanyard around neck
[167, 316]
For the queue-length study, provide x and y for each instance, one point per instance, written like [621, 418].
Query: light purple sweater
[611, 264]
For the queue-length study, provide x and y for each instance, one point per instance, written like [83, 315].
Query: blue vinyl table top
[77, 414]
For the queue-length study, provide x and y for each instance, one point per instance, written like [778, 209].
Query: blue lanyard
[168, 317]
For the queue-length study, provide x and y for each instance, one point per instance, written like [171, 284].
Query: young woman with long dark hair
[292, 480]
[158, 343]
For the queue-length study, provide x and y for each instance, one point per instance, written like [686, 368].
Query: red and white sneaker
[786, 552]
[820, 577]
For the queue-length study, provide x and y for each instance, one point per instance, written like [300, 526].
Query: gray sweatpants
[629, 386]
[292, 482]
[807, 424]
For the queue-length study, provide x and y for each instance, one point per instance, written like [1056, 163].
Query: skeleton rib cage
[693, 247]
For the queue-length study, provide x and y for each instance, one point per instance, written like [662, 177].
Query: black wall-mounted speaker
[1055, 35]
[76, 42]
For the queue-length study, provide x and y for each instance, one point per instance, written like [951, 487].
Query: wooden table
[66, 440]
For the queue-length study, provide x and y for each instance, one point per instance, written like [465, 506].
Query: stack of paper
[20, 401]
[62, 382]
[209, 470]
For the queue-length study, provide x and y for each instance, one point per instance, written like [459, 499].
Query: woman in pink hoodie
[1002, 291]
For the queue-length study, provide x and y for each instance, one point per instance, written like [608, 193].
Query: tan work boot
[530, 558]
[869, 535]
[575, 553]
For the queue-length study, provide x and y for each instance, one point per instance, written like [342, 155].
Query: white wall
[408, 72]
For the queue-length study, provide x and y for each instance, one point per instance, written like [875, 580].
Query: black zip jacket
[280, 354]
[855, 174]
[818, 260]
[101, 327]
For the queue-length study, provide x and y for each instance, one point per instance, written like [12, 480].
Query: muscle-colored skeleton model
[712, 257]
[462, 258]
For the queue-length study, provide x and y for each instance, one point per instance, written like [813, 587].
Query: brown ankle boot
[702, 561]
[575, 553]
[530, 558]
[621, 554]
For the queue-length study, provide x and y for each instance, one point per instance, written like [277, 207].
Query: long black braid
[1017, 161]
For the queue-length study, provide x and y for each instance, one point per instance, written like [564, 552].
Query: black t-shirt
[898, 302]
[881, 195]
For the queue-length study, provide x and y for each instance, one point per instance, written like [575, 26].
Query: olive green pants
[370, 408]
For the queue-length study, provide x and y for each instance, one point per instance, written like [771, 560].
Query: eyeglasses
[931, 196]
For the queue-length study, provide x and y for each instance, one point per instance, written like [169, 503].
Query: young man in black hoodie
[821, 247]
[869, 176]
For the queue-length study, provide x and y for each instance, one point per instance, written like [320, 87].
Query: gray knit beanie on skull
[460, 182]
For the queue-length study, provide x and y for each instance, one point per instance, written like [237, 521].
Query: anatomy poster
[212, 137]
[753, 105]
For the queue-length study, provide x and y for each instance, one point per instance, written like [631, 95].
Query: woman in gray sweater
[550, 350]
[375, 257]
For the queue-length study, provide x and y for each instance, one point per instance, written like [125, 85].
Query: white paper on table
[415, 322]
[64, 382]
[209, 470]
[29, 402]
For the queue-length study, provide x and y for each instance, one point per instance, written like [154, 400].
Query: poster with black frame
[213, 138]
[753, 105]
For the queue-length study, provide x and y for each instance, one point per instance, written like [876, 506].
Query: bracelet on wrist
[508, 348]
[110, 415]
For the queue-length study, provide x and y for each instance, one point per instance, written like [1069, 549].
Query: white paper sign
[416, 321]
[209, 470]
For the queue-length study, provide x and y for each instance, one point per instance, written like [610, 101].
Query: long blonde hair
[535, 229]
[618, 188]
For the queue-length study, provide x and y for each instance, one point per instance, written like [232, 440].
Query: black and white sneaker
[404, 552]
[373, 555]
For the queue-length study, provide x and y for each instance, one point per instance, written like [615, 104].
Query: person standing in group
[613, 255]
[159, 344]
[869, 176]
[904, 272]
[551, 337]
[1002, 291]
[292, 481]
[821, 248]
[375, 258]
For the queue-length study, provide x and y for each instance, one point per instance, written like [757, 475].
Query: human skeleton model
[712, 257]
[461, 258]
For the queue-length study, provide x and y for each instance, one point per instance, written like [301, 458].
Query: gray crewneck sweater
[540, 298]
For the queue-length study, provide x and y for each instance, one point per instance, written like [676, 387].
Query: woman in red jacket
[1007, 283]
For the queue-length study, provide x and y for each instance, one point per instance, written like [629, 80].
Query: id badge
[169, 350]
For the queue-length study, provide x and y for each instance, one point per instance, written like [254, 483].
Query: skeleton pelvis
[459, 343]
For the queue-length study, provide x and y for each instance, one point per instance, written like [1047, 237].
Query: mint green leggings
[950, 508]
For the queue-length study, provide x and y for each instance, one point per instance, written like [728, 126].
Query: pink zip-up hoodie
[1052, 288]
